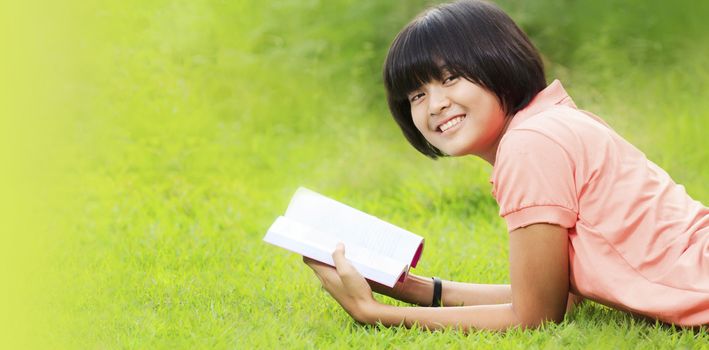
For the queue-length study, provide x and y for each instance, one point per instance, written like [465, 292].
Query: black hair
[472, 39]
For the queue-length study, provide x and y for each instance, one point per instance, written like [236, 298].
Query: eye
[449, 79]
[415, 96]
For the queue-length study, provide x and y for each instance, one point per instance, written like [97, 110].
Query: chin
[454, 153]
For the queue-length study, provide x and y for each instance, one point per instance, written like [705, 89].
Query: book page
[354, 227]
[309, 242]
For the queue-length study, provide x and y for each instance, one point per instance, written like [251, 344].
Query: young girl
[588, 215]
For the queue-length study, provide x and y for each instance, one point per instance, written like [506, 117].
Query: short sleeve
[533, 181]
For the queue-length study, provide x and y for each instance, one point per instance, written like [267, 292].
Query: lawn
[150, 144]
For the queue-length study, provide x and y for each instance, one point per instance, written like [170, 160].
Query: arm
[539, 292]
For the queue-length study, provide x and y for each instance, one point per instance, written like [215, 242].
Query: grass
[175, 132]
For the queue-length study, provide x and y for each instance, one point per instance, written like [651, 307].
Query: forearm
[461, 294]
[490, 317]
[464, 294]
[468, 294]
[419, 290]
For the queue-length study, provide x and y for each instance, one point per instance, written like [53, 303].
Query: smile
[451, 123]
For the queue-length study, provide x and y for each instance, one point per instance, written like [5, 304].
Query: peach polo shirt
[637, 241]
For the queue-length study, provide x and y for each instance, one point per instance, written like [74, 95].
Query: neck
[491, 153]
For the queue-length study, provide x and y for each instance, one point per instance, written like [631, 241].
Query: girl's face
[459, 117]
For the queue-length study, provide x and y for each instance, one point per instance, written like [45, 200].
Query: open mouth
[451, 123]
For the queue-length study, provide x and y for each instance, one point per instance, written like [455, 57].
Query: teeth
[451, 123]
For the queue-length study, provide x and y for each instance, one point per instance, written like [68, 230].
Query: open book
[313, 225]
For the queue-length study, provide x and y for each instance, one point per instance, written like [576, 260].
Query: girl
[588, 215]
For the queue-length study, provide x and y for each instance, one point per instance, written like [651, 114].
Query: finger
[312, 262]
[344, 267]
[325, 273]
[338, 256]
[320, 268]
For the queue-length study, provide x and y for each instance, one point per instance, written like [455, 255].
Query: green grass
[178, 131]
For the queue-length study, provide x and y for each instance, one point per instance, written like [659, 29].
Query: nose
[439, 101]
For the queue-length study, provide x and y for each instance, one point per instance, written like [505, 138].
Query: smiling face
[498, 66]
[458, 117]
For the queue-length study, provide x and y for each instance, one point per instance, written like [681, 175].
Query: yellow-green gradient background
[38, 67]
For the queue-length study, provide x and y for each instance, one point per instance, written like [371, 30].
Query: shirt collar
[552, 95]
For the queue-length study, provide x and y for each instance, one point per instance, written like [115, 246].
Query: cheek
[419, 120]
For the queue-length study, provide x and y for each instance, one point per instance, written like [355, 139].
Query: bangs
[410, 67]
[423, 52]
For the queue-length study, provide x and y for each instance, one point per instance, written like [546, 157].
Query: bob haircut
[472, 39]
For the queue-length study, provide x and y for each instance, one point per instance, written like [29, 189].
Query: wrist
[418, 289]
[368, 312]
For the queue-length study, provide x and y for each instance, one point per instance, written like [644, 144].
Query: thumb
[341, 264]
[351, 279]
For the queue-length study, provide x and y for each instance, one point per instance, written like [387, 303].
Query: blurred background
[147, 146]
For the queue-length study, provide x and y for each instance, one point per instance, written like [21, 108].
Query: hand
[345, 285]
